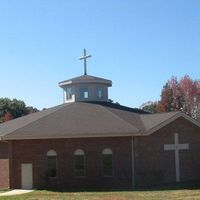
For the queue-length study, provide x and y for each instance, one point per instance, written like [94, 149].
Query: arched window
[79, 163]
[107, 162]
[51, 164]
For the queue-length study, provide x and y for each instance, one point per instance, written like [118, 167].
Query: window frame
[68, 93]
[84, 92]
[100, 90]
[52, 153]
[79, 152]
[86, 95]
[105, 152]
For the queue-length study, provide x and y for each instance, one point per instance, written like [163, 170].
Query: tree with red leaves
[11, 109]
[181, 95]
[7, 116]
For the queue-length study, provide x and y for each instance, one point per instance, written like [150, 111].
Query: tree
[181, 95]
[171, 96]
[17, 108]
[4, 106]
[31, 109]
[10, 109]
[150, 107]
[191, 90]
[7, 116]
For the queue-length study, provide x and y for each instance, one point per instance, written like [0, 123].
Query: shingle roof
[68, 120]
[12, 125]
[153, 120]
[86, 79]
[83, 119]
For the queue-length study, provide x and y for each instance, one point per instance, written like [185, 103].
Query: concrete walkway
[15, 192]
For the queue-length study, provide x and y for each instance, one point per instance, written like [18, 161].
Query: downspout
[132, 159]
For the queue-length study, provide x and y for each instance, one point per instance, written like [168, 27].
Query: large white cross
[85, 56]
[176, 147]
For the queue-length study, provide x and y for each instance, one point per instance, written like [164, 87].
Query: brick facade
[34, 151]
[4, 165]
[152, 165]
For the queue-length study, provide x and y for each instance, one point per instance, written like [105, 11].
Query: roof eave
[127, 134]
[67, 83]
[168, 121]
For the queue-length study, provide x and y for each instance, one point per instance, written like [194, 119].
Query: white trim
[107, 151]
[79, 152]
[51, 153]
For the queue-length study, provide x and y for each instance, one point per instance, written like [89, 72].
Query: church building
[89, 142]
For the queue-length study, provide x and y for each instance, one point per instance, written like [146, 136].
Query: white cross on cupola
[176, 147]
[85, 57]
[85, 87]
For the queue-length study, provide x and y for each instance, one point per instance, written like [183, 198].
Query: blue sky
[139, 45]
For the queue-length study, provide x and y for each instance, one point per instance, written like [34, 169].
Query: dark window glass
[79, 165]
[51, 166]
[107, 165]
[69, 93]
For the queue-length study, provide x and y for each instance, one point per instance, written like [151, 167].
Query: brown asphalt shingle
[82, 120]
[153, 120]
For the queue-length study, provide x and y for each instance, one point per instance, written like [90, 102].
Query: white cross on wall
[176, 147]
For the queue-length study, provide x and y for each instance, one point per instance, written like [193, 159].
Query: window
[100, 93]
[51, 164]
[69, 93]
[79, 163]
[84, 93]
[107, 162]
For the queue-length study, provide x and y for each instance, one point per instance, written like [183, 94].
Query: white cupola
[85, 87]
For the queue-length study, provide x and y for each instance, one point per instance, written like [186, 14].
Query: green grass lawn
[176, 194]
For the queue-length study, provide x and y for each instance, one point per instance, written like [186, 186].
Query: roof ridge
[117, 116]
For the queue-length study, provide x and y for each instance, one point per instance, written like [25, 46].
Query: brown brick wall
[4, 165]
[34, 151]
[153, 165]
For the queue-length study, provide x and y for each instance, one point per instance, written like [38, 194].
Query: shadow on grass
[194, 185]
